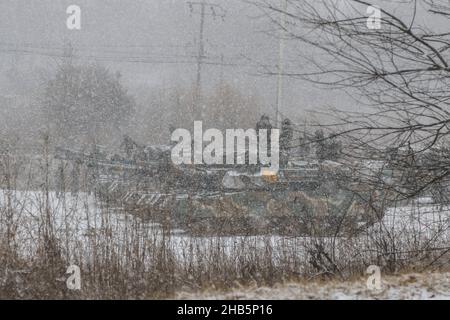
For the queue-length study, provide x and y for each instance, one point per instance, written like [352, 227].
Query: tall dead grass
[42, 232]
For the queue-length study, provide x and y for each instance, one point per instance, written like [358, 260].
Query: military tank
[298, 200]
[302, 198]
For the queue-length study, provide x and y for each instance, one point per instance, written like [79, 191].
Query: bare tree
[86, 103]
[398, 73]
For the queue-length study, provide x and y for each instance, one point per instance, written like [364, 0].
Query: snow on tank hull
[250, 212]
[294, 204]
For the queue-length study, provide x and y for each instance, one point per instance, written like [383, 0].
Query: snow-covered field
[402, 287]
[82, 208]
[82, 224]
[80, 216]
[420, 219]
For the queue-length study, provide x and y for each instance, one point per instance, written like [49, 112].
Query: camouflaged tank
[303, 198]
[296, 201]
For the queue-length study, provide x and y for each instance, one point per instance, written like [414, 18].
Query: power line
[122, 57]
[281, 62]
[215, 11]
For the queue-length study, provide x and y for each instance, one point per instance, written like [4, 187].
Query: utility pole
[214, 11]
[201, 54]
[279, 100]
[222, 63]
[68, 52]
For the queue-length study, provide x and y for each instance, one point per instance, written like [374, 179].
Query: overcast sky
[153, 43]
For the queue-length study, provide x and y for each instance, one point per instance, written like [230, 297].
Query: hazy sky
[153, 43]
[163, 33]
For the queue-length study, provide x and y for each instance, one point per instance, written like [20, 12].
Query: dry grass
[122, 257]
[403, 286]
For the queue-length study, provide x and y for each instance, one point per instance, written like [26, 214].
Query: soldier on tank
[287, 133]
[264, 123]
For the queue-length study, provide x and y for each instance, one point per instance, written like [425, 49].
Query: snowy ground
[402, 287]
[420, 219]
[78, 218]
